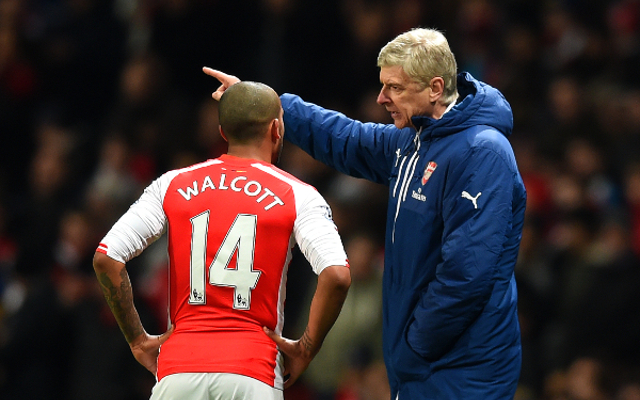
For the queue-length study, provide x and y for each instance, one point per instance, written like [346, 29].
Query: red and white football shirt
[231, 225]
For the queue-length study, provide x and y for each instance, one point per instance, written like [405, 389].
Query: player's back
[230, 227]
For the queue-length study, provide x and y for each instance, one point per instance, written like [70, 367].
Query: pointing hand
[226, 81]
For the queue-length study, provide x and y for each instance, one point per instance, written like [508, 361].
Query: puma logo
[474, 200]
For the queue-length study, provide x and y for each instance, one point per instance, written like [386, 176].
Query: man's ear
[437, 88]
[275, 130]
[222, 134]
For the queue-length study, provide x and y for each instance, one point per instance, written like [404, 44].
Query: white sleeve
[316, 233]
[140, 226]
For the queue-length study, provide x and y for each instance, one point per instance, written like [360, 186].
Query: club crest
[431, 166]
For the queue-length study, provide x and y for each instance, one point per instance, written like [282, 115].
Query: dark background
[99, 97]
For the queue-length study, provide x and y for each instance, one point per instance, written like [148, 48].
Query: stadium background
[99, 97]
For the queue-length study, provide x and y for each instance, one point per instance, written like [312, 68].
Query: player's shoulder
[197, 166]
[170, 177]
[193, 168]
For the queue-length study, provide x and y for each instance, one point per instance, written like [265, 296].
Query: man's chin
[400, 124]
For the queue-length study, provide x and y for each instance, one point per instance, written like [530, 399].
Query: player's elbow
[98, 262]
[104, 263]
[344, 279]
[340, 277]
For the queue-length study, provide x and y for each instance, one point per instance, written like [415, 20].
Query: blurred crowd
[99, 97]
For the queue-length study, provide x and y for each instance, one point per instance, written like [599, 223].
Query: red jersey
[231, 225]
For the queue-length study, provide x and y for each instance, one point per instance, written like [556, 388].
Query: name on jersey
[237, 184]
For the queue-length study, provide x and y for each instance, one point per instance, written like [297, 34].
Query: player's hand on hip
[296, 356]
[145, 349]
[226, 81]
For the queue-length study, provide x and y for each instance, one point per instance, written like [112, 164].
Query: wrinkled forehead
[394, 75]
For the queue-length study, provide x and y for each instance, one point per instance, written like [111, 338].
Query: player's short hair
[423, 54]
[246, 109]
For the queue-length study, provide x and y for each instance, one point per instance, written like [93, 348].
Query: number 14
[240, 238]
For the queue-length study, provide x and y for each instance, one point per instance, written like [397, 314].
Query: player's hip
[213, 386]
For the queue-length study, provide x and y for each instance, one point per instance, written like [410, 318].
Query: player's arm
[140, 226]
[331, 291]
[318, 239]
[116, 287]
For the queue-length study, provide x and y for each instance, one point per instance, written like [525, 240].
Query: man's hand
[226, 81]
[333, 285]
[297, 355]
[145, 349]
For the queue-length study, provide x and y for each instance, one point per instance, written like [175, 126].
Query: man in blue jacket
[454, 220]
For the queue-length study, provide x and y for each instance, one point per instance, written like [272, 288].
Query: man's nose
[382, 98]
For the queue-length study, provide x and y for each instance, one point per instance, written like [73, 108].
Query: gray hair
[423, 54]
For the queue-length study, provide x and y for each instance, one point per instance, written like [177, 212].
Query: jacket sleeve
[362, 150]
[472, 246]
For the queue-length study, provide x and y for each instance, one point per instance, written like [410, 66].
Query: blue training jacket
[454, 223]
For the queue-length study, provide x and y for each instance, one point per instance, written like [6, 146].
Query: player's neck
[250, 152]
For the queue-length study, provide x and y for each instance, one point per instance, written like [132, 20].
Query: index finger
[226, 79]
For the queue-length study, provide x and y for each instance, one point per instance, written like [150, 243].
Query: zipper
[406, 180]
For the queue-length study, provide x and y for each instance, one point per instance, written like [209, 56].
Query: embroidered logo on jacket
[418, 195]
[431, 166]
